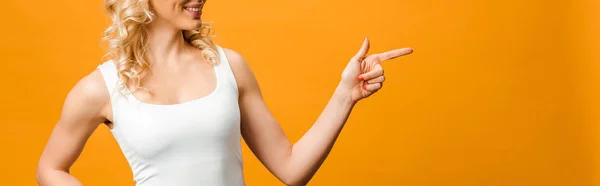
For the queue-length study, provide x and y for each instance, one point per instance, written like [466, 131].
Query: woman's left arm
[296, 164]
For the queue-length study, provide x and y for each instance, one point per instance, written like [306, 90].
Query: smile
[193, 9]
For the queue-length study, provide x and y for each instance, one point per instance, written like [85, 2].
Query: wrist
[343, 94]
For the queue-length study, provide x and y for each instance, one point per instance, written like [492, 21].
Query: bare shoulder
[88, 97]
[236, 61]
[91, 88]
[243, 73]
[232, 55]
[92, 85]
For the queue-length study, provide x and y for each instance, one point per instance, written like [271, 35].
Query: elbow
[296, 176]
[39, 174]
[295, 181]
[42, 174]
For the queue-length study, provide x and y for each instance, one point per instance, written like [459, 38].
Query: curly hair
[127, 39]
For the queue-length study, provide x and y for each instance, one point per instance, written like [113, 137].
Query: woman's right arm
[84, 109]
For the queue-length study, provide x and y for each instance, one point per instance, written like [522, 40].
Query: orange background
[496, 93]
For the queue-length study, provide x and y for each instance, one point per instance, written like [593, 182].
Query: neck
[165, 43]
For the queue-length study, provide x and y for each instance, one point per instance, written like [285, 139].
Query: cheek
[166, 9]
[173, 12]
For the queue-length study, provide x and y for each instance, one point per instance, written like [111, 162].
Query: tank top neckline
[211, 94]
[217, 79]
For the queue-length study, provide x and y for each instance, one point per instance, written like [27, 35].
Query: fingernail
[364, 87]
[360, 78]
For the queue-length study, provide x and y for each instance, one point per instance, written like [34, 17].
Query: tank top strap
[108, 70]
[225, 72]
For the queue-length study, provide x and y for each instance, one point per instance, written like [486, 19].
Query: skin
[173, 60]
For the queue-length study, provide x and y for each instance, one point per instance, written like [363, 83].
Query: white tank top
[188, 144]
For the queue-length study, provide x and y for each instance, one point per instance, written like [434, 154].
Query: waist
[226, 172]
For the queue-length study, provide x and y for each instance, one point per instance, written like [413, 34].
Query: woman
[177, 104]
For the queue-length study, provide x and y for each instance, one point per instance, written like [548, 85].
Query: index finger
[393, 54]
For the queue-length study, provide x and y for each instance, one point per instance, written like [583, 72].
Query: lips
[193, 5]
[194, 9]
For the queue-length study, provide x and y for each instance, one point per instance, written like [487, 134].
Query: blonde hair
[127, 39]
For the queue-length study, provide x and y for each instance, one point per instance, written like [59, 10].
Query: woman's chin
[194, 26]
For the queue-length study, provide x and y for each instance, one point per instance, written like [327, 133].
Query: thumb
[363, 50]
